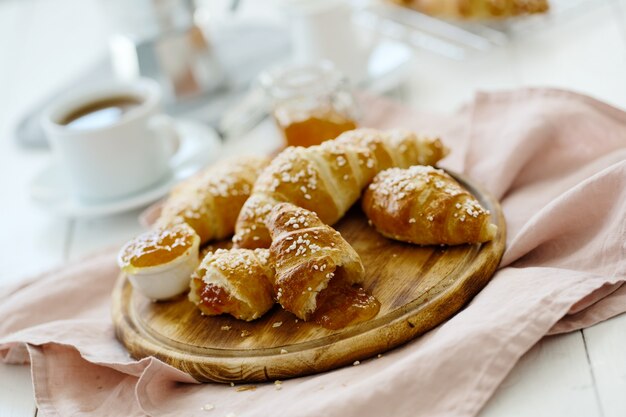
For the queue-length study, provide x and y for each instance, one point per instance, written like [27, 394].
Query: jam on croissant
[317, 271]
[235, 282]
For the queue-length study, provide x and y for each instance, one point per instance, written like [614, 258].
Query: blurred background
[208, 53]
[49, 45]
[207, 56]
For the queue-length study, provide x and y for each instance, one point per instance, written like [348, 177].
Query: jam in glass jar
[311, 103]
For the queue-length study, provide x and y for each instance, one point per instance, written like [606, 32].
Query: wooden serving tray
[418, 288]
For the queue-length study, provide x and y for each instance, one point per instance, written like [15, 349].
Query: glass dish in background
[460, 40]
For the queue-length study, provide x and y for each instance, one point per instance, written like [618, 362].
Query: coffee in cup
[112, 140]
[100, 113]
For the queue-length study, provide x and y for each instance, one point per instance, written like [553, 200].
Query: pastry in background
[210, 201]
[425, 206]
[234, 281]
[316, 270]
[328, 178]
[158, 263]
[476, 9]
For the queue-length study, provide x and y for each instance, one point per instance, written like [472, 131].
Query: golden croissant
[425, 206]
[210, 201]
[476, 9]
[328, 178]
[309, 256]
[234, 281]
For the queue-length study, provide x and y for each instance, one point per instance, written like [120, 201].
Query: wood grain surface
[418, 287]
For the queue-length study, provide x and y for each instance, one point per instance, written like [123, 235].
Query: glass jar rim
[293, 80]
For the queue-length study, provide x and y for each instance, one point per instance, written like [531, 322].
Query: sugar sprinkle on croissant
[426, 206]
[307, 255]
[328, 178]
[210, 201]
[234, 281]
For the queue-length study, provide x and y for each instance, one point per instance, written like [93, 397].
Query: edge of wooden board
[340, 349]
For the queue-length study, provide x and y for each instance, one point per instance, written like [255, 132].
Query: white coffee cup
[117, 159]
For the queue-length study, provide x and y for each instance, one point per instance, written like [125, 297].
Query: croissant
[396, 148]
[425, 206]
[328, 178]
[234, 281]
[476, 9]
[210, 201]
[307, 255]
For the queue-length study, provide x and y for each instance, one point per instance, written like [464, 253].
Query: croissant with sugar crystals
[234, 281]
[316, 270]
[210, 201]
[328, 178]
[425, 206]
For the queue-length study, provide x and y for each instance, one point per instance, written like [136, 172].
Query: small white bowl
[165, 281]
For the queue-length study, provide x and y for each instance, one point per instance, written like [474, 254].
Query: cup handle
[164, 128]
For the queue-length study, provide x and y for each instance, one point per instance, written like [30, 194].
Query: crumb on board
[225, 327]
[277, 324]
[246, 388]
[283, 351]
[207, 407]
[355, 363]
[278, 385]
[245, 333]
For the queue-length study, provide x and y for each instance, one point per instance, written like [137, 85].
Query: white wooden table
[46, 42]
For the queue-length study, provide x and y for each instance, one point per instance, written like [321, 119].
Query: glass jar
[311, 103]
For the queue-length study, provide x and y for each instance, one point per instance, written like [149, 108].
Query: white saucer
[199, 146]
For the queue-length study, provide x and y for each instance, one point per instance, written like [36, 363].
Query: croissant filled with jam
[235, 282]
[317, 271]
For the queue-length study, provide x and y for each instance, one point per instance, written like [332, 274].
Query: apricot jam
[213, 298]
[311, 102]
[157, 247]
[314, 130]
[341, 305]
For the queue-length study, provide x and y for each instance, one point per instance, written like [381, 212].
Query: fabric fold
[557, 162]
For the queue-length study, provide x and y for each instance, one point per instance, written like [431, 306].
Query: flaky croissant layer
[307, 254]
[234, 281]
[425, 206]
[328, 179]
[210, 201]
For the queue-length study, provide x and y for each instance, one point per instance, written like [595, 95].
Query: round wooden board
[418, 287]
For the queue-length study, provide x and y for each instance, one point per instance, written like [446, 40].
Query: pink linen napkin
[557, 161]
